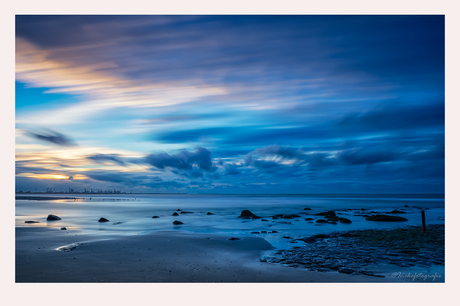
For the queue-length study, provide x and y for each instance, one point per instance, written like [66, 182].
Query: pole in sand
[423, 222]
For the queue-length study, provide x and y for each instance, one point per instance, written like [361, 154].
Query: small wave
[69, 247]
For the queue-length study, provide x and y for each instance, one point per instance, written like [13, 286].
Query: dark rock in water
[263, 232]
[321, 221]
[291, 216]
[31, 222]
[265, 220]
[247, 214]
[178, 210]
[385, 218]
[333, 219]
[103, 220]
[275, 218]
[397, 212]
[284, 222]
[344, 220]
[321, 236]
[117, 223]
[274, 232]
[63, 229]
[333, 222]
[255, 232]
[346, 270]
[286, 237]
[210, 213]
[406, 205]
[327, 214]
[233, 238]
[155, 217]
[278, 216]
[186, 212]
[308, 219]
[177, 222]
[175, 214]
[52, 218]
[309, 240]
[307, 208]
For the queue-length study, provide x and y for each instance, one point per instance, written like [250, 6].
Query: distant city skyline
[245, 104]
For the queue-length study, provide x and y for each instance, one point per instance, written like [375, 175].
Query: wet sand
[165, 257]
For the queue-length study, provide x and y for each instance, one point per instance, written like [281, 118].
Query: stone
[327, 214]
[307, 208]
[255, 232]
[247, 214]
[155, 217]
[103, 220]
[274, 232]
[186, 212]
[292, 216]
[31, 222]
[210, 213]
[175, 214]
[178, 209]
[346, 270]
[263, 232]
[308, 219]
[321, 221]
[52, 218]
[397, 212]
[233, 238]
[63, 229]
[385, 218]
[344, 220]
[265, 220]
[177, 222]
[332, 222]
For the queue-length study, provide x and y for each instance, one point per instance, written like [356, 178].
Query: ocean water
[132, 214]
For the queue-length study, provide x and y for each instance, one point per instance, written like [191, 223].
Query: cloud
[52, 137]
[184, 160]
[107, 157]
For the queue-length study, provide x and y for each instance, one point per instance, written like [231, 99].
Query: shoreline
[161, 257]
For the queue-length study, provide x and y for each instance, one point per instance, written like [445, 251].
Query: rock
[233, 238]
[210, 213]
[103, 220]
[327, 214]
[175, 214]
[263, 232]
[52, 218]
[265, 220]
[307, 208]
[186, 212]
[385, 218]
[177, 222]
[63, 229]
[344, 220]
[178, 209]
[308, 219]
[309, 240]
[255, 232]
[155, 217]
[333, 219]
[406, 205]
[346, 270]
[286, 237]
[321, 236]
[274, 232]
[275, 218]
[333, 222]
[31, 222]
[321, 221]
[117, 223]
[291, 216]
[247, 215]
[397, 212]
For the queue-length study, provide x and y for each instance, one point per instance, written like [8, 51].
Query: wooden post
[423, 221]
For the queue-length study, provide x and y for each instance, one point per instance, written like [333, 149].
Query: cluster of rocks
[360, 251]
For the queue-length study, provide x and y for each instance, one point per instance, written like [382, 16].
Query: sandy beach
[157, 257]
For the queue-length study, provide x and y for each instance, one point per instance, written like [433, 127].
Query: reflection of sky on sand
[133, 215]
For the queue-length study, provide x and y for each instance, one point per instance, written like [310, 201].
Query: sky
[230, 104]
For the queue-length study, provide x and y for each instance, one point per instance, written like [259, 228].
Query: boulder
[177, 222]
[31, 222]
[308, 219]
[265, 220]
[321, 221]
[385, 218]
[175, 214]
[292, 216]
[274, 232]
[155, 217]
[344, 220]
[346, 270]
[178, 210]
[246, 214]
[233, 238]
[327, 214]
[333, 222]
[186, 212]
[210, 213]
[103, 220]
[307, 208]
[255, 232]
[397, 212]
[52, 218]
[63, 229]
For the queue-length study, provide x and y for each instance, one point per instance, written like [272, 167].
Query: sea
[131, 214]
